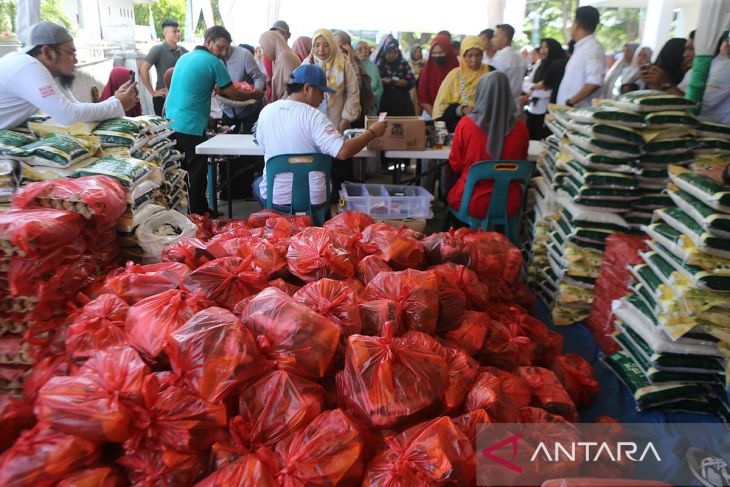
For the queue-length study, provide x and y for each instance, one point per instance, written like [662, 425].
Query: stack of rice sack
[56, 239]
[595, 185]
[269, 352]
[675, 328]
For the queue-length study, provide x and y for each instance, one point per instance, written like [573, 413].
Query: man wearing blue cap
[296, 126]
[31, 81]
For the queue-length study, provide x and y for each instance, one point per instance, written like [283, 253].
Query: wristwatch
[569, 103]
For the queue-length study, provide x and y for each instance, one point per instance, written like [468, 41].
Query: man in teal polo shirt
[195, 76]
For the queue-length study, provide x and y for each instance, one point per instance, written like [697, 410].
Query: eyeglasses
[67, 51]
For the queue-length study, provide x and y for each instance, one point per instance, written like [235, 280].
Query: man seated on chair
[297, 126]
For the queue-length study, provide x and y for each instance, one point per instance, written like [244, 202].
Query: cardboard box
[403, 133]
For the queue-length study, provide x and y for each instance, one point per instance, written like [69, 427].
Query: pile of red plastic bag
[56, 238]
[268, 352]
[613, 283]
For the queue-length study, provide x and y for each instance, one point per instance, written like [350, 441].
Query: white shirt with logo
[293, 127]
[26, 87]
[585, 67]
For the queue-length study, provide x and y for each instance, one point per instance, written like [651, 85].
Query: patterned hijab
[334, 65]
[494, 111]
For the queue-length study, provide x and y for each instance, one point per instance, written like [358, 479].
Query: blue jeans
[280, 208]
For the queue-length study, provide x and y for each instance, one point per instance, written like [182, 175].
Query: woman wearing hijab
[117, 78]
[456, 95]
[615, 75]
[492, 131]
[417, 64]
[367, 97]
[343, 107]
[397, 79]
[630, 81]
[668, 69]
[302, 47]
[362, 51]
[283, 62]
[546, 79]
[441, 60]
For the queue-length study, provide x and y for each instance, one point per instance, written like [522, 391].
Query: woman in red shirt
[491, 131]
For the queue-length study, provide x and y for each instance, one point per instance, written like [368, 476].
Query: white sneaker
[710, 470]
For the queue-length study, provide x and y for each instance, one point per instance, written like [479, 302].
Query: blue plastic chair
[502, 173]
[300, 165]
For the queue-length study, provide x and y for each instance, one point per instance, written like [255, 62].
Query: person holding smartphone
[117, 78]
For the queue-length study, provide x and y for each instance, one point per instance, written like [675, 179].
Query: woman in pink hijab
[118, 76]
[302, 47]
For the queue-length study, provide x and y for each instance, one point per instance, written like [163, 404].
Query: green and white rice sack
[663, 160]
[651, 101]
[712, 146]
[670, 119]
[556, 127]
[711, 220]
[703, 188]
[151, 123]
[609, 133]
[121, 131]
[609, 149]
[696, 276]
[582, 216]
[651, 199]
[58, 150]
[670, 146]
[11, 141]
[600, 162]
[601, 179]
[684, 250]
[704, 241]
[607, 115]
[130, 172]
[712, 130]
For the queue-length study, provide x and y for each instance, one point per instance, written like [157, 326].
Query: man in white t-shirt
[29, 82]
[584, 72]
[508, 60]
[296, 126]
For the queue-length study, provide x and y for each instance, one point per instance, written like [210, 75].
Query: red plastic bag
[500, 393]
[369, 267]
[178, 419]
[135, 282]
[226, 280]
[507, 347]
[164, 467]
[105, 197]
[99, 325]
[471, 332]
[189, 251]
[38, 232]
[452, 304]
[335, 300]
[349, 222]
[15, 416]
[577, 377]
[295, 337]
[281, 284]
[266, 256]
[213, 353]
[496, 256]
[26, 274]
[205, 226]
[249, 470]
[548, 393]
[388, 380]
[259, 218]
[469, 423]
[432, 453]
[375, 314]
[415, 291]
[399, 251]
[150, 321]
[42, 371]
[549, 344]
[475, 291]
[446, 247]
[95, 477]
[42, 456]
[275, 407]
[315, 254]
[101, 402]
[329, 451]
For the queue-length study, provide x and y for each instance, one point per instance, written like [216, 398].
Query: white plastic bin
[387, 201]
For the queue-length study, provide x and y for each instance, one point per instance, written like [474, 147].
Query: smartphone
[132, 76]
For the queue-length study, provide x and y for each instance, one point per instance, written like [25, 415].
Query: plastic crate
[386, 201]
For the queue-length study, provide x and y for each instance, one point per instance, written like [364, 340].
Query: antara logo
[582, 450]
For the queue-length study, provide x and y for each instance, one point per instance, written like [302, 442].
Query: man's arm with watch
[584, 93]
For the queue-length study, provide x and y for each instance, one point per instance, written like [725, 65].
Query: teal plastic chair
[300, 165]
[502, 173]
